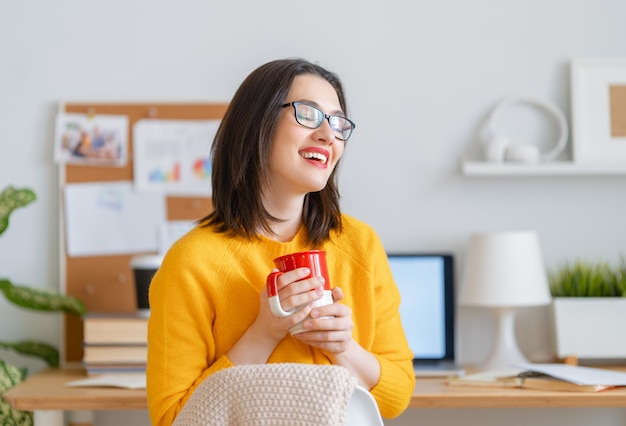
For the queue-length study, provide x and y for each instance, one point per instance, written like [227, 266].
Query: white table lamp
[504, 271]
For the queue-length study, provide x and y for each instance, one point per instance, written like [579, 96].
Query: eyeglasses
[311, 117]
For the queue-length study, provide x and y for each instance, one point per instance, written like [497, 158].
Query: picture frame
[598, 110]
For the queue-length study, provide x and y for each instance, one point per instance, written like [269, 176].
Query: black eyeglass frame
[326, 116]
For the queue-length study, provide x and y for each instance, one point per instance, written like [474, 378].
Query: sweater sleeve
[377, 316]
[180, 336]
[397, 378]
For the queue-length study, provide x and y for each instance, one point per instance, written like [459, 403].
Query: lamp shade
[504, 269]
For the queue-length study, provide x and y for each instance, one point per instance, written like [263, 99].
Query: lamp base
[505, 352]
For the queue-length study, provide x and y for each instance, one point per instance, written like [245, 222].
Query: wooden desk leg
[48, 418]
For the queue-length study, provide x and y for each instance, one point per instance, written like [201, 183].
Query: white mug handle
[272, 294]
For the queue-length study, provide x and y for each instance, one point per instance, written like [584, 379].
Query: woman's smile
[316, 156]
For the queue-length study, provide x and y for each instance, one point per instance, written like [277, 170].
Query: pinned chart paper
[111, 218]
[173, 156]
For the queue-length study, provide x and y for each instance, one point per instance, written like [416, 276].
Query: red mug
[315, 260]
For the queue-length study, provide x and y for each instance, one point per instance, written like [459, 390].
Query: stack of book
[114, 343]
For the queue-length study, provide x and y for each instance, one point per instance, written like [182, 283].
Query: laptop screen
[426, 287]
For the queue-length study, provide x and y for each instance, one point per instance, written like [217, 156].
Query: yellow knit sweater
[206, 294]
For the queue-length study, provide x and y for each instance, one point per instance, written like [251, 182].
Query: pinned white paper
[111, 218]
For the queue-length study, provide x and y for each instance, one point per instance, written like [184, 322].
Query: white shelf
[556, 168]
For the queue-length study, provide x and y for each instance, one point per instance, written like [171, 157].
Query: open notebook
[426, 284]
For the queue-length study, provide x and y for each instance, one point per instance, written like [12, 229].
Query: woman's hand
[331, 335]
[260, 339]
[293, 291]
[334, 337]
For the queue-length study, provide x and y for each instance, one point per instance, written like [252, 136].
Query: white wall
[420, 78]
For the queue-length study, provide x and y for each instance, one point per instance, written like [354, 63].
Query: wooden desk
[435, 393]
[46, 395]
[47, 391]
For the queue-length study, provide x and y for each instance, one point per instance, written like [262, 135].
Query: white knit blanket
[271, 394]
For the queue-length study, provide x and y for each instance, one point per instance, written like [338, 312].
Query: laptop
[426, 285]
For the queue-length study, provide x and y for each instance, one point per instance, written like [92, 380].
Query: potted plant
[589, 302]
[28, 298]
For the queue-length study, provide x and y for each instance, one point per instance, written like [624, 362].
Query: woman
[275, 159]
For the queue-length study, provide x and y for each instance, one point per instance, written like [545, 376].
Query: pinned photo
[99, 140]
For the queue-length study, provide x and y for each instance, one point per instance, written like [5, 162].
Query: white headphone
[498, 148]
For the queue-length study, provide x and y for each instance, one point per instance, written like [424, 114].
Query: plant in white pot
[589, 302]
[28, 298]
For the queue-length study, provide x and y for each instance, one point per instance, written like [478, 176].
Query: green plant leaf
[41, 300]
[41, 350]
[587, 279]
[10, 199]
[10, 376]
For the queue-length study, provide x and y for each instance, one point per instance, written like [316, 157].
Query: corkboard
[106, 283]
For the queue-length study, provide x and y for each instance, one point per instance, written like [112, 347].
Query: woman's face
[302, 159]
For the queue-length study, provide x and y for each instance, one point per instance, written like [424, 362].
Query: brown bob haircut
[241, 151]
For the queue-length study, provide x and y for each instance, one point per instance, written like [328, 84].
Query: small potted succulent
[28, 298]
[589, 302]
